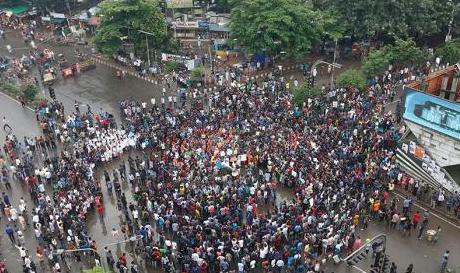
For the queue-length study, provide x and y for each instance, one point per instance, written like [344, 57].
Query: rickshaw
[49, 77]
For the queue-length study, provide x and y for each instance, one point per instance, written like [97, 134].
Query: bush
[30, 91]
[401, 53]
[352, 77]
[303, 92]
[450, 51]
[197, 72]
[10, 89]
[171, 66]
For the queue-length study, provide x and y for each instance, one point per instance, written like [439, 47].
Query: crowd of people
[218, 167]
[208, 180]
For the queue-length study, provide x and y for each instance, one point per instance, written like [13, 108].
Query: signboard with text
[432, 112]
[179, 4]
[186, 24]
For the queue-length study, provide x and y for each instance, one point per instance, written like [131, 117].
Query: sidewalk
[422, 202]
[156, 80]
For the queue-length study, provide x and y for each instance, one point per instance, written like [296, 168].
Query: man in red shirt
[415, 219]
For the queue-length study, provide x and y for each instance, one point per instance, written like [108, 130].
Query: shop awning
[17, 10]
[219, 28]
[57, 18]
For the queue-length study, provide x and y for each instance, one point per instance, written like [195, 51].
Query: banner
[432, 112]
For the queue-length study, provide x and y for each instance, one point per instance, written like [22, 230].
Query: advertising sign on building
[432, 112]
[186, 24]
[179, 4]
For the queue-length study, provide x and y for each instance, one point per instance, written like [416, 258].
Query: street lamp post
[61, 251]
[147, 43]
[318, 62]
[148, 52]
[332, 69]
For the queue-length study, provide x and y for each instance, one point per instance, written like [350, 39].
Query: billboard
[179, 4]
[432, 112]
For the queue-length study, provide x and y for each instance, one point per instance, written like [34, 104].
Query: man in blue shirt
[10, 231]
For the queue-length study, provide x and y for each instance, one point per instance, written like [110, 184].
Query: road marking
[15, 100]
[433, 213]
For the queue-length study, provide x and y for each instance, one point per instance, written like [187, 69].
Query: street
[101, 89]
[403, 250]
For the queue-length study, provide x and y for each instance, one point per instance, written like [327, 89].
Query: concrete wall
[444, 149]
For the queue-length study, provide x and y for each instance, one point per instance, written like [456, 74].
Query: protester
[206, 178]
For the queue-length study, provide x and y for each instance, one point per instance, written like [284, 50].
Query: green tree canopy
[401, 53]
[352, 77]
[131, 21]
[370, 19]
[450, 51]
[219, 6]
[275, 26]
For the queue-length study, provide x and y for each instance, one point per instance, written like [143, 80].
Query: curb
[15, 100]
[426, 206]
[127, 71]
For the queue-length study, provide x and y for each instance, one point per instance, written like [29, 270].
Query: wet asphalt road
[403, 250]
[101, 89]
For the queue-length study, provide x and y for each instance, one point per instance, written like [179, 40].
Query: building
[432, 114]
[208, 32]
[443, 83]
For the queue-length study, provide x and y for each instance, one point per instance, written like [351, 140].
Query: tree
[401, 53]
[275, 26]
[218, 6]
[372, 19]
[352, 77]
[135, 21]
[303, 92]
[197, 73]
[450, 51]
[405, 52]
[376, 62]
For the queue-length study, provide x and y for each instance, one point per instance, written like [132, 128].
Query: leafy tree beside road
[401, 53]
[409, 18]
[352, 77]
[130, 21]
[275, 26]
[450, 51]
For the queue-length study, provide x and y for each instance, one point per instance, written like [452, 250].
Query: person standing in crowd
[205, 177]
[444, 261]
[410, 268]
[10, 232]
